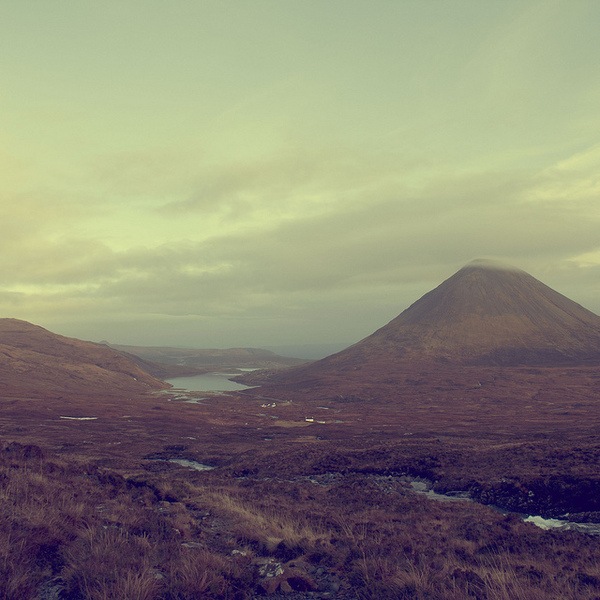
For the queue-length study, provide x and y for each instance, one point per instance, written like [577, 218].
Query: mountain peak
[486, 314]
[490, 313]
[491, 264]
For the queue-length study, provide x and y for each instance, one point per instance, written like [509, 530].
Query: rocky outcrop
[552, 497]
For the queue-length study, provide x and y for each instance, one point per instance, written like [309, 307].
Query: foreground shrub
[72, 531]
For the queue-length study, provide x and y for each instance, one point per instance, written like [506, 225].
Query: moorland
[304, 485]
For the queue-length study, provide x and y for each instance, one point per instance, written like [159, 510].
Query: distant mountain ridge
[39, 363]
[208, 359]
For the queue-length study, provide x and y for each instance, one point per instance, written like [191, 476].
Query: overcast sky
[224, 173]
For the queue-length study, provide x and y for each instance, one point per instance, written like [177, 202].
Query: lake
[207, 382]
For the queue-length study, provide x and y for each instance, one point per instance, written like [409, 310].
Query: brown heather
[81, 532]
[310, 495]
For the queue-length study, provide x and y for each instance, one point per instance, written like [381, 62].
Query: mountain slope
[485, 315]
[38, 363]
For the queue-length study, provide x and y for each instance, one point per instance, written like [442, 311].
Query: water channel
[424, 488]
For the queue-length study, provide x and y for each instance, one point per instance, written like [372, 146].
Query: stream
[215, 382]
[424, 488]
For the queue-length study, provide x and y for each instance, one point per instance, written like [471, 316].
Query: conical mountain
[39, 363]
[486, 314]
[490, 314]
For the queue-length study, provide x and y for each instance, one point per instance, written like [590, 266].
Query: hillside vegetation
[72, 530]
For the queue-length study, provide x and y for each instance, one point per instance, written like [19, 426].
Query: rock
[270, 569]
[330, 584]
[50, 590]
[193, 545]
[268, 586]
[301, 582]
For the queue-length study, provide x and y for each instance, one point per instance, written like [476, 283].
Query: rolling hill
[38, 363]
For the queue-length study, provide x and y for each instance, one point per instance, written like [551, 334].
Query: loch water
[207, 382]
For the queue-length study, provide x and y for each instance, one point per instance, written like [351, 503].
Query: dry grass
[96, 535]
[268, 527]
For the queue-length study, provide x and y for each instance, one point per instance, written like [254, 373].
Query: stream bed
[424, 488]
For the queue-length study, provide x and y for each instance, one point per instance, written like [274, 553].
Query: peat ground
[310, 494]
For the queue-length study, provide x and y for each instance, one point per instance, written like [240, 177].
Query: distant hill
[308, 351]
[212, 359]
[38, 363]
[486, 314]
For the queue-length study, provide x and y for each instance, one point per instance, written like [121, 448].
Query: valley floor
[307, 499]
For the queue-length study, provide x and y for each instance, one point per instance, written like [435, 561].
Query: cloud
[350, 265]
[29, 216]
[379, 241]
[140, 175]
[574, 181]
[294, 184]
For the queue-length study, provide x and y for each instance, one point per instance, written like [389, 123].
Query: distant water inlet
[207, 382]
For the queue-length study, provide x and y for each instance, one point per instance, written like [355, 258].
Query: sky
[217, 173]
